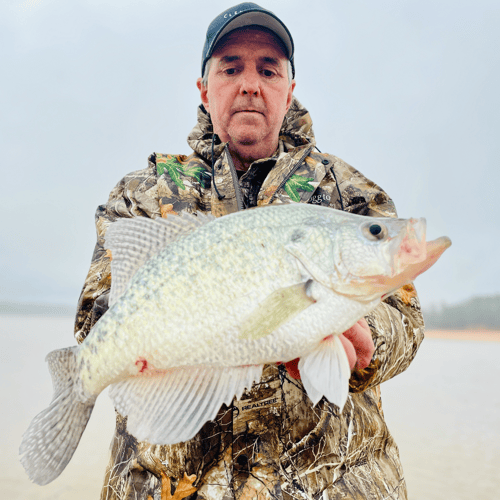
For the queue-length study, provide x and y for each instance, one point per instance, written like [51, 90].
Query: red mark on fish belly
[142, 364]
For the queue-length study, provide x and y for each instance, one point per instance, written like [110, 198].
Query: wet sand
[478, 335]
[444, 413]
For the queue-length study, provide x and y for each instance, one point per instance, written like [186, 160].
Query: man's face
[248, 93]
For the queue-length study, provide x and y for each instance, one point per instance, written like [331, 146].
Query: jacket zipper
[236, 184]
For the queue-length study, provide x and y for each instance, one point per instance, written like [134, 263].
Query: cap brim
[260, 19]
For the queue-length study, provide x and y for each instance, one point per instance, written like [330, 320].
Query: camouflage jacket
[272, 443]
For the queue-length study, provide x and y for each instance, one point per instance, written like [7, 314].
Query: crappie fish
[198, 305]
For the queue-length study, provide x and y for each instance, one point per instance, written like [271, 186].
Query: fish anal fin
[168, 407]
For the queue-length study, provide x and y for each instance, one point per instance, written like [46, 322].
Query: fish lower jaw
[362, 290]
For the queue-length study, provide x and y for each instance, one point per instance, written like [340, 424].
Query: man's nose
[250, 83]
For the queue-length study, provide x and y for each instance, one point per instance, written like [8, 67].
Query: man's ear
[203, 94]
[289, 97]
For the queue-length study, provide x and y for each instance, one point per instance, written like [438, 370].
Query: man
[253, 146]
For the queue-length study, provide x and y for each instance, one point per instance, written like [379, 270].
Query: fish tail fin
[53, 435]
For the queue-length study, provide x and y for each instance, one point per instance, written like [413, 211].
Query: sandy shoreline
[480, 335]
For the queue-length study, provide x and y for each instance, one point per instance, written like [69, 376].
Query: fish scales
[197, 307]
[164, 309]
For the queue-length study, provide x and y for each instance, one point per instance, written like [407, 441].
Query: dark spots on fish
[297, 235]
[87, 368]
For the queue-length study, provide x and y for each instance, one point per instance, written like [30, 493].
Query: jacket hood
[295, 131]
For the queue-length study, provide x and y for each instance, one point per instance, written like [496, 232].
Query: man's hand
[358, 345]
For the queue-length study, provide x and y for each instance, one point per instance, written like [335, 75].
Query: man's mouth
[248, 111]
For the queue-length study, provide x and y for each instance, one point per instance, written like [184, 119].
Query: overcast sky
[405, 91]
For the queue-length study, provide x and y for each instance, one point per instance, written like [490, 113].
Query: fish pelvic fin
[53, 435]
[325, 372]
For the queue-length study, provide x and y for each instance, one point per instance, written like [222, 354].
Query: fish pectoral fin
[134, 241]
[168, 407]
[325, 372]
[278, 308]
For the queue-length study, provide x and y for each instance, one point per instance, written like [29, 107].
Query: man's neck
[240, 163]
[243, 160]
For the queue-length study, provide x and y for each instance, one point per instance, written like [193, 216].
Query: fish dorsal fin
[168, 407]
[134, 241]
[325, 372]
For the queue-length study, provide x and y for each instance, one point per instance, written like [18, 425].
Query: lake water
[444, 412]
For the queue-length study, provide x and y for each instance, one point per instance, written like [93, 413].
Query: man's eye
[230, 71]
[268, 72]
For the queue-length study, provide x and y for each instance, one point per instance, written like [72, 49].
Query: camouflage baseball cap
[245, 14]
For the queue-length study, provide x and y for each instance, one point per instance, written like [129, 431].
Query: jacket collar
[292, 178]
[296, 131]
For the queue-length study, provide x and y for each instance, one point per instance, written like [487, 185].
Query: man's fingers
[358, 346]
[349, 350]
[361, 340]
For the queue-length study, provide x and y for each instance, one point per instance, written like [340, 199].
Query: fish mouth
[410, 246]
[412, 256]
[433, 250]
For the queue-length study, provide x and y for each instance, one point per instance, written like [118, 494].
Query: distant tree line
[477, 312]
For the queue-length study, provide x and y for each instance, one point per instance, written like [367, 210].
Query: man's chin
[246, 136]
[246, 141]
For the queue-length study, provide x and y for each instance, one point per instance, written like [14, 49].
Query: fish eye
[375, 231]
